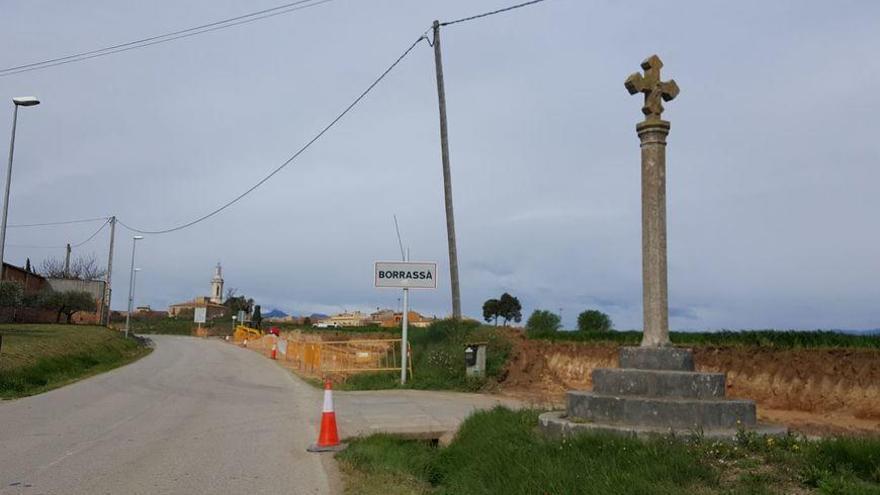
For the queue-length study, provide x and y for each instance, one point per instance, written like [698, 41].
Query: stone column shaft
[652, 134]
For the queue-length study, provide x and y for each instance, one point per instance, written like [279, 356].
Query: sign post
[200, 315]
[405, 275]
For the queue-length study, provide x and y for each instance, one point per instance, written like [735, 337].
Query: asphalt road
[195, 416]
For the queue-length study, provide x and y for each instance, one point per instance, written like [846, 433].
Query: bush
[68, 302]
[594, 321]
[542, 322]
[11, 294]
[438, 358]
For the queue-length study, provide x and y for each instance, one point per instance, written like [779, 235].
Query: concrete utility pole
[67, 262]
[447, 178]
[108, 292]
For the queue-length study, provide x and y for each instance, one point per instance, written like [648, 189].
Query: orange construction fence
[342, 357]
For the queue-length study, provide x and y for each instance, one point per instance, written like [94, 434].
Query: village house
[349, 319]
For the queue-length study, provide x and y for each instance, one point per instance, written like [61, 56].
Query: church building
[213, 303]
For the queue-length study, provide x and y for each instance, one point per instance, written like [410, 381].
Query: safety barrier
[342, 357]
[243, 333]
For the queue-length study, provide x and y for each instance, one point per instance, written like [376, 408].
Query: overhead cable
[65, 222]
[107, 221]
[486, 14]
[164, 38]
[289, 160]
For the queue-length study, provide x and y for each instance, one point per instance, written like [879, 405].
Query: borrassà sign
[406, 275]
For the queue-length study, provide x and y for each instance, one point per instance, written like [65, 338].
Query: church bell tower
[217, 286]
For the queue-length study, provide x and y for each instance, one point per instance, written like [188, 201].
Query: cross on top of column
[653, 88]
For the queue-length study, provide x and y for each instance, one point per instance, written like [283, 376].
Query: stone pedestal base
[656, 392]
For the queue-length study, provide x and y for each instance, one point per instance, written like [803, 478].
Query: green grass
[36, 358]
[500, 452]
[438, 359]
[763, 338]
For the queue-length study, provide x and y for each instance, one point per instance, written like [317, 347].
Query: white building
[217, 286]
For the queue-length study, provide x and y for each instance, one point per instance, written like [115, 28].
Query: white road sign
[200, 315]
[406, 275]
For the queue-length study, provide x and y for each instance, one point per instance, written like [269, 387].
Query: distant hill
[318, 316]
[275, 313]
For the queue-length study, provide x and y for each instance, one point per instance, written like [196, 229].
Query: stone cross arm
[653, 88]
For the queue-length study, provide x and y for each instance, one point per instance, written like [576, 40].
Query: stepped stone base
[651, 383]
[557, 424]
[661, 412]
[657, 358]
[656, 392]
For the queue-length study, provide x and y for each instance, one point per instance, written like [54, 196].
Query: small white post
[403, 336]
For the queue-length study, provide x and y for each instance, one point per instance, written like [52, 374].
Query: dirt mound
[813, 390]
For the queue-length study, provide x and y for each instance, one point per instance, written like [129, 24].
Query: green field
[500, 451]
[762, 338]
[36, 358]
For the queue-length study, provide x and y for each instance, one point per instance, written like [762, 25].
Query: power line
[486, 14]
[93, 235]
[289, 160]
[106, 221]
[164, 38]
[47, 224]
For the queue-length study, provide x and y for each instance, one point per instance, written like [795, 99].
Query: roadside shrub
[542, 322]
[594, 321]
[11, 294]
[68, 302]
[438, 358]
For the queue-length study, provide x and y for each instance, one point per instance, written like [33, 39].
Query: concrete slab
[412, 413]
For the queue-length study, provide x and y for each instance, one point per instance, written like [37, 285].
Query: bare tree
[83, 267]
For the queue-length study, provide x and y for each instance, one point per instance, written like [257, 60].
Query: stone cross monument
[652, 132]
[656, 390]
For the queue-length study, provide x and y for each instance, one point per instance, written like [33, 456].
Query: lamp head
[26, 101]
[138, 237]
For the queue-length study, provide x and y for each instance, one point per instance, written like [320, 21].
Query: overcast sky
[772, 159]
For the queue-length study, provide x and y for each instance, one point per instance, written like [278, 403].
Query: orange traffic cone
[274, 354]
[328, 438]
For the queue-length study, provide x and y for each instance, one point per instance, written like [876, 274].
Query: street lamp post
[134, 287]
[21, 101]
[131, 284]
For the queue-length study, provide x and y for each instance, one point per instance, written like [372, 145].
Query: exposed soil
[814, 391]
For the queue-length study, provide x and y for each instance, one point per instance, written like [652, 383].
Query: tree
[84, 267]
[542, 323]
[594, 321]
[68, 302]
[506, 307]
[509, 308]
[490, 310]
[11, 294]
[257, 318]
[237, 303]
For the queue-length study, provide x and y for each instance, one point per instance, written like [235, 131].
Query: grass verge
[499, 451]
[438, 359]
[37, 358]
